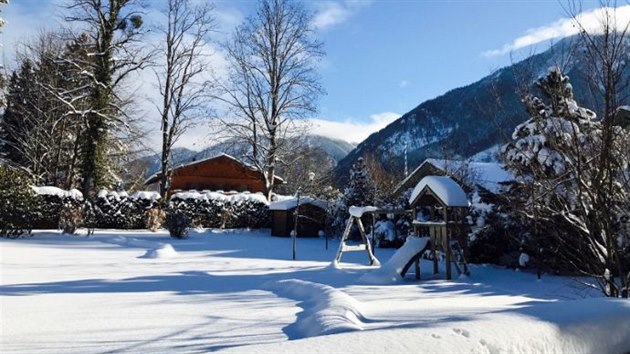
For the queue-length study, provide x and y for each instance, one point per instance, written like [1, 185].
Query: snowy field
[239, 291]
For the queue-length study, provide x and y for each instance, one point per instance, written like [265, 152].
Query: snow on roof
[488, 175]
[233, 198]
[290, 203]
[49, 190]
[445, 188]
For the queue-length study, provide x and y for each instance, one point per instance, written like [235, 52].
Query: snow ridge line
[154, 249]
[326, 310]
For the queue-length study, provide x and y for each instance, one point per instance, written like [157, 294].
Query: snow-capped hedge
[121, 210]
[218, 210]
[51, 203]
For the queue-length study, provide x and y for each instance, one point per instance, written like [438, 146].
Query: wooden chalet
[311, 217]
[218, 173]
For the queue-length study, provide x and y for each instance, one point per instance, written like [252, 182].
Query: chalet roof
[290, 203]
[155, 177]
[488, 175]
[444, 188]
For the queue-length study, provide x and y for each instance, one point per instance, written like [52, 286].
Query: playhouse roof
[444, 188]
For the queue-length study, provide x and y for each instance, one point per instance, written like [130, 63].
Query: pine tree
[15, 126]
[38, 134]
[360, 190]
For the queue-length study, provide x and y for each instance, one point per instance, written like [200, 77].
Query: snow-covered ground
[240, 291]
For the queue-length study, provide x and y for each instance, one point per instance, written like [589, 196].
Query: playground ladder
[457, 257]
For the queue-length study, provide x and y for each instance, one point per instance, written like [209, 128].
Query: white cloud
[331, 13]
[350, 130]
[23, 22]
[590, 20]
[403, 83]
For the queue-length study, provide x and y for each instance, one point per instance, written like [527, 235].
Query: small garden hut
[311, 216]
[439, 207]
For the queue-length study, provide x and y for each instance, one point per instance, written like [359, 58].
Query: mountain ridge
[469, 119]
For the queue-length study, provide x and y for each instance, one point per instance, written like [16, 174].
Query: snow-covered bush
[58, 208]
[17, 201]
[177, 223]
[385, 234]
[119, 210]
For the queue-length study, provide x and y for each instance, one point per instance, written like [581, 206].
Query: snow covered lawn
[240, 291]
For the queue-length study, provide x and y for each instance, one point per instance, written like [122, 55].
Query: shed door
[279, 223]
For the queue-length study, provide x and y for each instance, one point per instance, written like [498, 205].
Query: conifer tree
[360, 190]
[554, 154]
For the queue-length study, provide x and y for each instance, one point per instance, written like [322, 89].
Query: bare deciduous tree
[607, 53]
[272, 81]
[181, 77]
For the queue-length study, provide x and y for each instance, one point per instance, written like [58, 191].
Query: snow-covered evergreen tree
[559, 135]
[567, 198]
[360, 189]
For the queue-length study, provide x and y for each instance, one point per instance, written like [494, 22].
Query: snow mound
[326, 310]
[146, 195]
[390, 271]
[155, 250]
[359, 211]
[48, 190]
[164, 251]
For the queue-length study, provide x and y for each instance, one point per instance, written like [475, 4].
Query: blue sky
[383, 57]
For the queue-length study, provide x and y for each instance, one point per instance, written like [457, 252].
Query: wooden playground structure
[438, 206]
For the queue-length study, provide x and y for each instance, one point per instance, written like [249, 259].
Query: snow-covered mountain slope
[468, 120]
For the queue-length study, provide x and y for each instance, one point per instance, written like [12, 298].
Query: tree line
[70, 117]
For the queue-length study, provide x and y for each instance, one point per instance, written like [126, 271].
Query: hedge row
[119, 210]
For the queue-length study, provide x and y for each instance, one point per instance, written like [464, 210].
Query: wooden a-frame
[365, 243]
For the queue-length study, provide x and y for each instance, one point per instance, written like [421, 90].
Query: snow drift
[326, 310]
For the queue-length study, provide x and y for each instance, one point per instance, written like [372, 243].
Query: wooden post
[417, 268]
[372, 233]
[413, 218]
[434, 240]
[368, 245]
[447, 246]
[346, 232]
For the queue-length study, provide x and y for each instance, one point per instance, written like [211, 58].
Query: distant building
[487, 177]
[218, 173]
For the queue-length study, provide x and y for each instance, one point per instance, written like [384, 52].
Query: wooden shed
[311, 220]
[222, 172]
